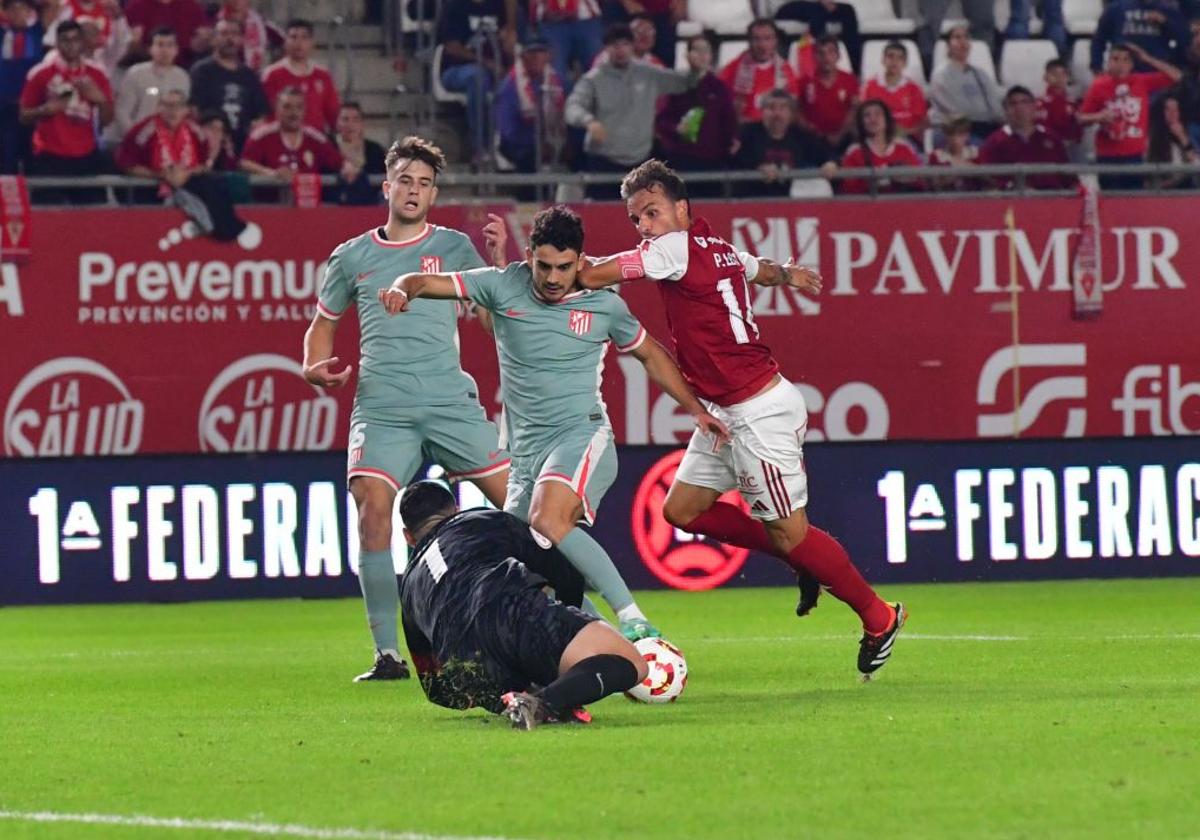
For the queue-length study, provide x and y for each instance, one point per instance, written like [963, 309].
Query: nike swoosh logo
[514, 313]
[362, 275]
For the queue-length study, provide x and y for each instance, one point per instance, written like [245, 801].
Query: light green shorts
[458, 437]
[585, 460]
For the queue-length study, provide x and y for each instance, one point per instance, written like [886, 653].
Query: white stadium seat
[981, 57]
[1081, 65]
[843, 57]
[792, 28]
[435, 78]
[872, 61]
[729, 50]
[1024, 63]
[810, 188]
[681, 55]
[725, 17]
[877, 17]
[1081, 16]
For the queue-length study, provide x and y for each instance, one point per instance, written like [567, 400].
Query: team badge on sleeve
[431, 264]
[579, 322]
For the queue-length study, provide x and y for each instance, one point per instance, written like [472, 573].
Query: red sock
[828, 562]
[731, 525]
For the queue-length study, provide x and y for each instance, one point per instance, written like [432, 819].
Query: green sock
[381, 592]
[597, 567]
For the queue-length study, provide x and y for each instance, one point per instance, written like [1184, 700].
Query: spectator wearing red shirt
[286, 147]
[878, 148]
[903, 96]
[297, 70]
[828, 99]
[758, 71]
[1056, 110]
[695, 129]
[65, 98]
[1022, 140]
[1119, 102]
[185, 17]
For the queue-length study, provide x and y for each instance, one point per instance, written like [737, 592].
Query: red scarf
[254, 37]
[174, 147]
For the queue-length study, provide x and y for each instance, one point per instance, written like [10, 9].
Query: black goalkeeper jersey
[472, 559]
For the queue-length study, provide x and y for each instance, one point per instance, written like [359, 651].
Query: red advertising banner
[127, 333]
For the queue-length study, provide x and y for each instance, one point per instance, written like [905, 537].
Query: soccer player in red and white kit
[705, 285]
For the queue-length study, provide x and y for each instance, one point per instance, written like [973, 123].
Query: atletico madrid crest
[579, 322]
[431, 264]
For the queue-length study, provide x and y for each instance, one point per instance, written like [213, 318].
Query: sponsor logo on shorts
[749, 484]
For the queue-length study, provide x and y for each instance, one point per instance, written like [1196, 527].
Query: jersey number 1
[737, 321]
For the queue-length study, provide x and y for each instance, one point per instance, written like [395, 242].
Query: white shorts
[764, 460]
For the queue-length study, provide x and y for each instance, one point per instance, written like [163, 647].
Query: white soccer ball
[668, 672]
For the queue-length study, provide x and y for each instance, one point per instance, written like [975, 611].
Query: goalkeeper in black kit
[480, 627]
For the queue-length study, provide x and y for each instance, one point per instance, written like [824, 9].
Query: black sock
[593, 678]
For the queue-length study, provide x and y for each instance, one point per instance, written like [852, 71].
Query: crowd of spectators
[171, 89]
[175, 89]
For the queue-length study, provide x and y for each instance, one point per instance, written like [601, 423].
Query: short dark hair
[706, 38]
[352, 105]
[1057, 62]
[423, 500]
[826, 40]
[163, 32]
[654, 173]
[1123, 47]
[760, 22]
[299, 23]
[558, 226]
[291, 90]
[213, 114]
[617, 32]
[1017, 90]
[413, 147]
[67, 26]
[781, 94]
[895, 45]
[642, 16]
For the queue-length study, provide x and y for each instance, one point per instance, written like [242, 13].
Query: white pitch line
[270, 829]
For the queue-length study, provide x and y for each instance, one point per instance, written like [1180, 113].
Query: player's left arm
[663, 371]
[766, 272]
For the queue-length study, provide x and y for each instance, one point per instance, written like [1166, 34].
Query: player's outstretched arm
[663, 371]
[771, 273]
[599, 272]
[406, 287]
[319, 360]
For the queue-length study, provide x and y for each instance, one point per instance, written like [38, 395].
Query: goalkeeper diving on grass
[551, 336]
[481, 630]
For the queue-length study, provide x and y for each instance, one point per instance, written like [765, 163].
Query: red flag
[1087, 289]
[806, 59]
[306, 189]
[15, 217]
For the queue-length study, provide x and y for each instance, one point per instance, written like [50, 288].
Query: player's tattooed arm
[663, 371]
[771, 273]
[406, 287]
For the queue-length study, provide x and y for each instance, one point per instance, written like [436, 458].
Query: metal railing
[491, 183]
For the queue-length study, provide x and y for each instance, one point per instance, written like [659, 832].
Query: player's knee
[788, 533]
[550, 523]
[678, 515]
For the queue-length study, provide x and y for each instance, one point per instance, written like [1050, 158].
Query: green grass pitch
[1009, 710]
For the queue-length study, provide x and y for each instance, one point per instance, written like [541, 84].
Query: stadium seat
[1081, 16]
[872, 61]
[792, 28]
[877, 17]
[1081, 64]
[981, 57]
[688, 28]
[843, 56]
[1024, 62]
[681, 55]
[725, 17]
[729, 50]
[810, 188]
[435, 80]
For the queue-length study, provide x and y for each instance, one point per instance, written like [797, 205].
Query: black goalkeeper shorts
[520, 637]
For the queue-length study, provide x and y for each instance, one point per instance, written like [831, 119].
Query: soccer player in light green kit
[551, 336]
[413, 400]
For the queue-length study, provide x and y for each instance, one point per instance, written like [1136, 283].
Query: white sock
[630, 613]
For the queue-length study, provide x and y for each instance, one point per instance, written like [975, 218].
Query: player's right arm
[337, 292]
[481, 285]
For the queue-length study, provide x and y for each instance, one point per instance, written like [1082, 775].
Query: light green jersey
[551, 354]
[406, 361]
